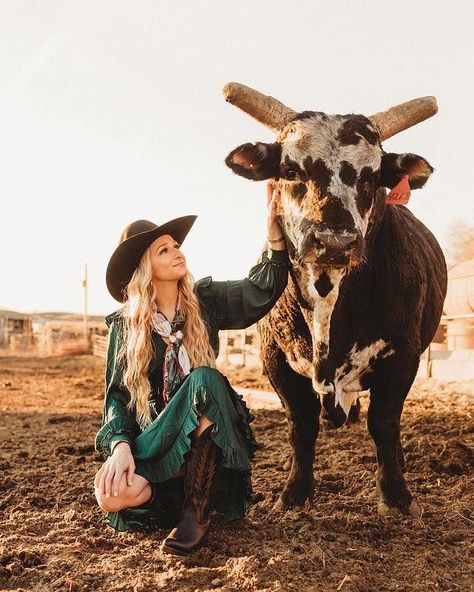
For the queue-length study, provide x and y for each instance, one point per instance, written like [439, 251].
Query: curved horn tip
[230, 89]
[428, 101]
[227, 90]
[403, 116]
[434, 104]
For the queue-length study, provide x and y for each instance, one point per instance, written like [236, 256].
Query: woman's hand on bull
[274, 233]
[107, 479]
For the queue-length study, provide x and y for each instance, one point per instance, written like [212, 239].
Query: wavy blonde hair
[136, 347]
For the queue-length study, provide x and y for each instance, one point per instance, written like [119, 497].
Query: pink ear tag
[400, 194]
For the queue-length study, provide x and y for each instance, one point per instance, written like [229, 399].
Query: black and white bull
[367, 280]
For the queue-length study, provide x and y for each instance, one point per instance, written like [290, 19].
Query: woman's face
[167, 261]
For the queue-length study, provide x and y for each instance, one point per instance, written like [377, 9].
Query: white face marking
[348, 197]
[316, 137]
[292, 220]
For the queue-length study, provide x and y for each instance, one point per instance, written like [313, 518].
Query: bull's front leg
[387, 395]
[302, 409]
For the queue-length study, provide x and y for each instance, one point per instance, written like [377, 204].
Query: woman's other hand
[275, 238]
[107, 479]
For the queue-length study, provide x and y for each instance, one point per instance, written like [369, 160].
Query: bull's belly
[345, 382]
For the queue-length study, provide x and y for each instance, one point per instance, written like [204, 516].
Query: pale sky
[111, 111]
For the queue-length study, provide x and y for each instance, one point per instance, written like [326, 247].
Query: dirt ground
[53, 536]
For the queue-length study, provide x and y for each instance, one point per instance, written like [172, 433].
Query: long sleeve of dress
[237, 304]
[118, 423]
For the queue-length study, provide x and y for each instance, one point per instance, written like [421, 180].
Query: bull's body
[385, 316]
[367, 280]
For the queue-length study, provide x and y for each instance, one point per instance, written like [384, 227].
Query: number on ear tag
[400, 194]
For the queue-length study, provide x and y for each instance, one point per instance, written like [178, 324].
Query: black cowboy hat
[134, 241]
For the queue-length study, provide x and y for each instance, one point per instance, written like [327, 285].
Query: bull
[366, 285]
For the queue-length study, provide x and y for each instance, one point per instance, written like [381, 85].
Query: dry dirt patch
[53, 536]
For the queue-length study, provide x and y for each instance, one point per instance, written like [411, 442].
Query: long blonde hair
[136, 347]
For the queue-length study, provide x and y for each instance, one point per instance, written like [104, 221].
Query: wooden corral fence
[242, 348]
[238, 348]
[55, 338]
[16, 333]
[58, 338]
[99, 345]
[450, 356]
[16, 329]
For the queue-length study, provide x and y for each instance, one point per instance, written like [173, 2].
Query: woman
[175, 433]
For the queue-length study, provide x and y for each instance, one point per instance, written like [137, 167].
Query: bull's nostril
[349, 241]
[330, 240]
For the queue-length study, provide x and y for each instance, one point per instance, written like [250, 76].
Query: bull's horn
[263, 108]
[401, 117]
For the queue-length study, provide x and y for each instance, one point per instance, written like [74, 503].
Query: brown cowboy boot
[201, 470]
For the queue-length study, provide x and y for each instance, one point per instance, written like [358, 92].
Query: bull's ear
[257, 161]
[394, 166]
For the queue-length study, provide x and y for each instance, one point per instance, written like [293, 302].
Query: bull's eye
[288, 173]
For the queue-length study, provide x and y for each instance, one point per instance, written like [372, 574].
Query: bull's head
[330, 172]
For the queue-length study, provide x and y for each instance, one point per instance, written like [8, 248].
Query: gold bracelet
[276, 240]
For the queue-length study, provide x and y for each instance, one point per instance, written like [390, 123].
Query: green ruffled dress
[159, 449]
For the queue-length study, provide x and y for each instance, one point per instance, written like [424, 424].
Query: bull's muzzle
[332, 248]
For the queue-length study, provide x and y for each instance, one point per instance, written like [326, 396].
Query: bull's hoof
[294, 496]
[413, 510]
[281, 506]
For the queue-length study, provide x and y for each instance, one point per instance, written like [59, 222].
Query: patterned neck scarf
[176, 365]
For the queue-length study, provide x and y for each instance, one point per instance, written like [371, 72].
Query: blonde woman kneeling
[175, 433]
